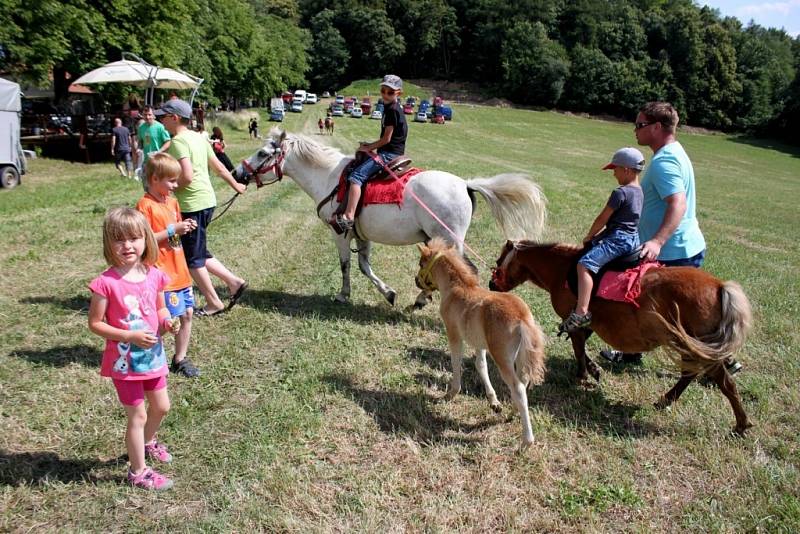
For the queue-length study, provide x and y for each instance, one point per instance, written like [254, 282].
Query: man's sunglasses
[640, 125]
[387, 91]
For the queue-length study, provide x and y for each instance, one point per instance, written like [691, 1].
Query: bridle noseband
[425, 276]
[272, 164]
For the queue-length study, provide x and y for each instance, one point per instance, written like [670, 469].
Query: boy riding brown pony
[499, 323]
[702, 318]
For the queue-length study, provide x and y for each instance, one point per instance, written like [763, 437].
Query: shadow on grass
[61, 356]
[77, 303]
[560, 395]
[408, 414]
[325, 308]
[40, 467]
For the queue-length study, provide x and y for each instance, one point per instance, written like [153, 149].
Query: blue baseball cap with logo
[627, 157]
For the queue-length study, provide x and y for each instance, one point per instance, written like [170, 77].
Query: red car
[408, 109]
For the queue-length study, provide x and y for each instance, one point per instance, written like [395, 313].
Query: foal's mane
[563, 250]
[312, 152]
[458, 266]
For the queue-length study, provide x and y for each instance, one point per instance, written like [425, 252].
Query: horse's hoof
[341, 299]
[661, 404]
[391, 296]
[524, 447]
[740, 430]
[497, 408]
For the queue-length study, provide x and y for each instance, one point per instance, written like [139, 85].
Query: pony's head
[268, 159]
[509, 273]
[437, 252]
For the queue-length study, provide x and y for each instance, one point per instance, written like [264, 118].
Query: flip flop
[203, 313]
[236, 296]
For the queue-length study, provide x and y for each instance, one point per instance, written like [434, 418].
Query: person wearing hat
[197, 201]
[391, 144]
[613, 233]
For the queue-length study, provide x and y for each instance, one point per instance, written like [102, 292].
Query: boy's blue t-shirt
[671, 172]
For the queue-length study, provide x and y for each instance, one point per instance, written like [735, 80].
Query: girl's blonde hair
[127, 223]
[160, 166]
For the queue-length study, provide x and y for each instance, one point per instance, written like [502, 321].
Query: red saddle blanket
[625, 286]
[388, 191]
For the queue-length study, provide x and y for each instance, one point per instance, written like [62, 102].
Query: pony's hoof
[524, 447]
[497, 408]
[740, 430]
[391, 296]
[661, 404]
[341, 299]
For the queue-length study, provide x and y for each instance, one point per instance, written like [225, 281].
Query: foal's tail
[518, 204]
[698, 354]
[529, 362]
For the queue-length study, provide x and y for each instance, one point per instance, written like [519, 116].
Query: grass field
[317, 417]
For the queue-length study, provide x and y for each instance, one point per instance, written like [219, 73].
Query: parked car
[421, 116]
[301, 94]
[297, 106]
[326, 94]
[377, 114]
[408, 109]
[379, 106]
[311, 98]
[356, 113]
[337, 111]
[348, 105]
[277, 115]
[366, 105]
[340, 99]
[287, 98]
[411, 101]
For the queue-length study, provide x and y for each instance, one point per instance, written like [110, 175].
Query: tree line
[597, 56]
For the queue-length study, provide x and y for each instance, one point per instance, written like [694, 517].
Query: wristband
[170, 230]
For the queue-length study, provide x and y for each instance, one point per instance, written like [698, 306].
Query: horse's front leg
[456, 355]
[364, 249]
[343, 244]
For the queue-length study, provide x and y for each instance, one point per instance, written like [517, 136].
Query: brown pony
[329, 125]
[499, 323]
[702, 318]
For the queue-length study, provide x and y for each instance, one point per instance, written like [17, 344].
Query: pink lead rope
[463, 242]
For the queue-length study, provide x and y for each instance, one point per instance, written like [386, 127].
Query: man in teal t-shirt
[153, 137]
[197, 201]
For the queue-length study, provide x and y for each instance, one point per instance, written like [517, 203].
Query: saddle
[381, 181]
[623, 263]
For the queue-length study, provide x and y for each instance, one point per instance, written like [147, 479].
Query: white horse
[516, 202]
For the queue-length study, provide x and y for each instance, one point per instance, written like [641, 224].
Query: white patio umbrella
[141, 74]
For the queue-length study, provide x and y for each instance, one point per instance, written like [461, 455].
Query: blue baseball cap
[627, 157]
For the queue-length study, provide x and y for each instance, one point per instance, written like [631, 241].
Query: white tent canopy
[141, 74]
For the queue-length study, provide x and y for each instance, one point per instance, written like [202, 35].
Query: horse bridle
[274, 164]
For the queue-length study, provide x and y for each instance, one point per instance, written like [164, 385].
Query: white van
[300, 94]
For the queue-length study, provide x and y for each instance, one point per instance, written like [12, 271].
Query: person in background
[217, 141]
[197, 201]
[127, 309]
[153, 137]
[121, 146]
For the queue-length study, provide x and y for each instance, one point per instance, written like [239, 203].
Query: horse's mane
[312, 152]
[457, 264]
[566, 250]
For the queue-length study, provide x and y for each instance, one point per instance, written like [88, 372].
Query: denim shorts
[609, 248]
[194, 243]
[367, 170]
[179, 301]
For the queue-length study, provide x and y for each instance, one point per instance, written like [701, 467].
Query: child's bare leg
[585, 284]
[352, 201]
[206, 286]
[183, 336]
[158, 408]
[134, 436]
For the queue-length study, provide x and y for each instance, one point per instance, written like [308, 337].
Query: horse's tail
[529, 362]
[518, 204]
[698, 354]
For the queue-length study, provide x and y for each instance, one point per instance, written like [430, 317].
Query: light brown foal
[498, 322]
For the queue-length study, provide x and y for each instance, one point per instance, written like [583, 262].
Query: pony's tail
[699, 354]
[529, 362]
[517, 203]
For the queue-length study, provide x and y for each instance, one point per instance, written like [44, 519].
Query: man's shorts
[179, 301]
[194, 242]
[119, 157]
[608, 248]
[131, 392]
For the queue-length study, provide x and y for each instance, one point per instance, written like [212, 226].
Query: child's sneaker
[149, 480]
[157, 451]
[575, 322]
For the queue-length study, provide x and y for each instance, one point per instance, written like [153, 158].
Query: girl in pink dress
[128, 310]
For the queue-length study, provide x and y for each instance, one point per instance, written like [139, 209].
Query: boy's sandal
[185, 367]
[575, 322]
[203, 313]
[340, 224]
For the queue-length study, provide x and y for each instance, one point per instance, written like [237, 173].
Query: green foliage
[329, 54]
[535, 68]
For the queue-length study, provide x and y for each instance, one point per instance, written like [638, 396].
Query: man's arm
[223, 173]
[187, 173]
[676, 207]
[165, 146]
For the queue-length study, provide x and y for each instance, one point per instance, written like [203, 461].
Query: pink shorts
[131, 392]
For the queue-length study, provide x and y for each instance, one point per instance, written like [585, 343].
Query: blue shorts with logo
[179, 301]
[608, 248]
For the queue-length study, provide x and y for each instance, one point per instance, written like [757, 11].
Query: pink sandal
[149, 480]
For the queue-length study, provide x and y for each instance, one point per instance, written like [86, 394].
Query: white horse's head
[266, 160]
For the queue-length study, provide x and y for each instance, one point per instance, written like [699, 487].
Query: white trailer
[12, 159]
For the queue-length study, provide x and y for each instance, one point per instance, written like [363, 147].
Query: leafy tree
[330, 56]
[535, 67]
